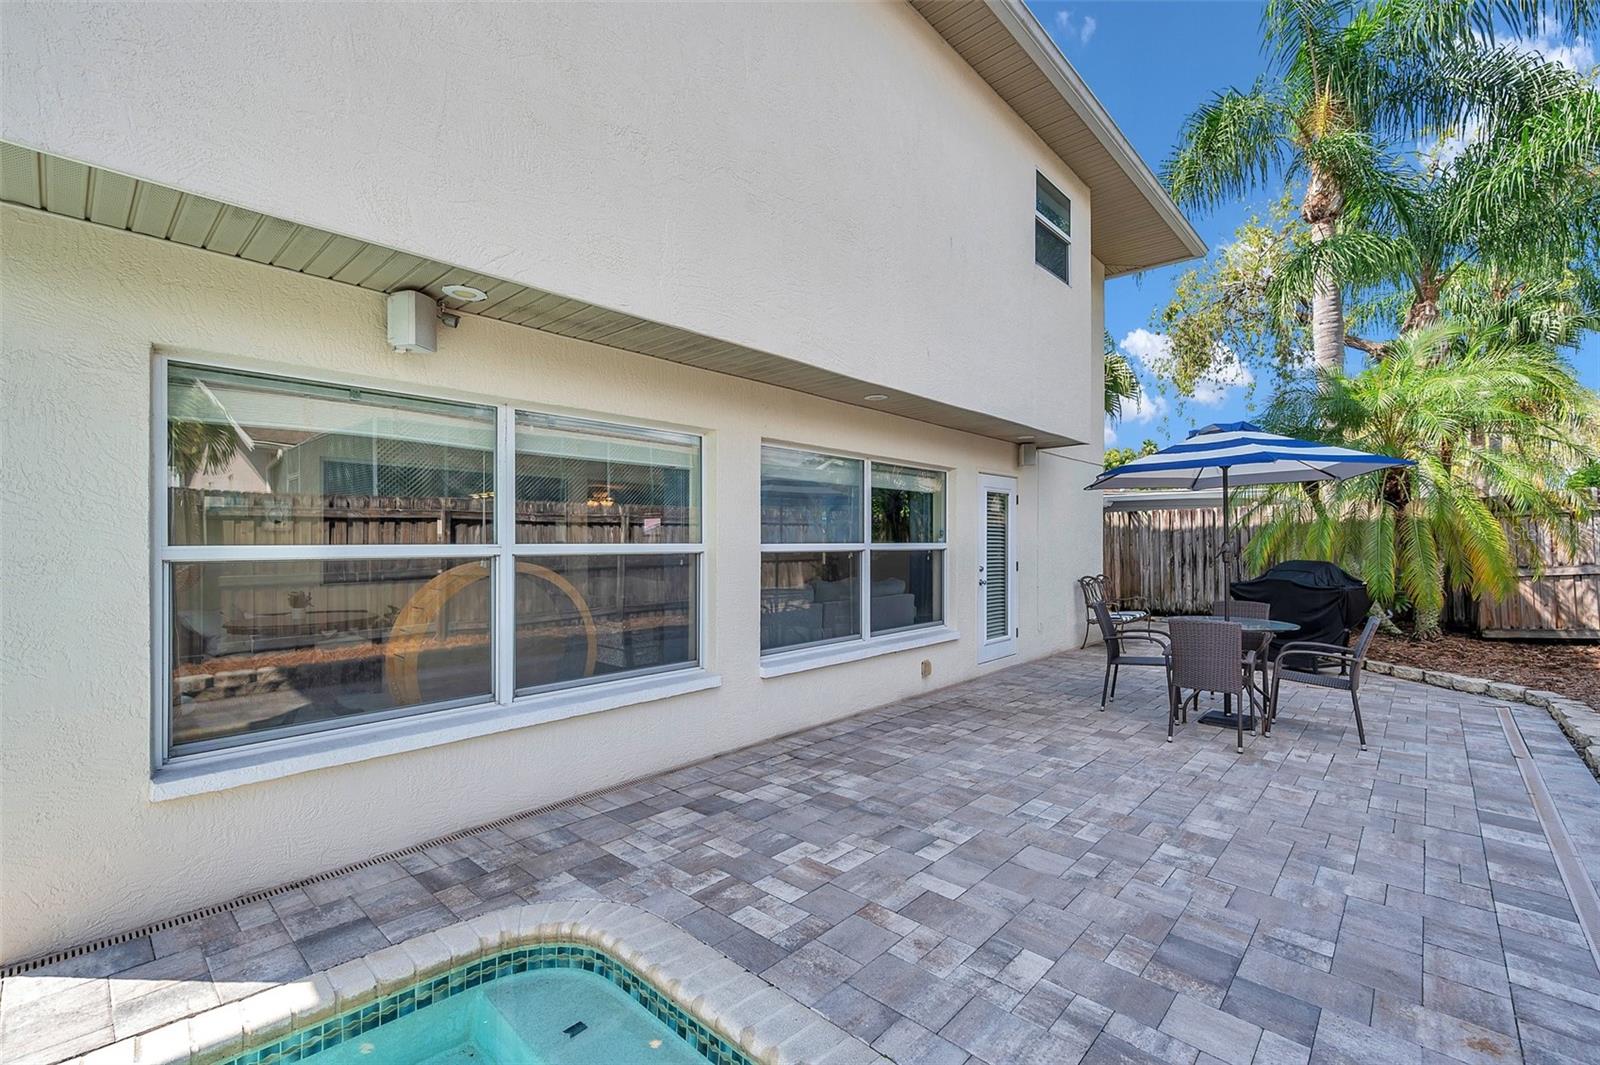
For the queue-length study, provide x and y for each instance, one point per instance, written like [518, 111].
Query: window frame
[1044, 186]
[502, 552]
[864, 642]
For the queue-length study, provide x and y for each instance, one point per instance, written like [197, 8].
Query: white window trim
[1062, 235]
[196, 772]
[785, 660]
[818, 655]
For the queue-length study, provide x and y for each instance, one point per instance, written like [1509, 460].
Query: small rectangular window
[1052, 229]
[851, 549]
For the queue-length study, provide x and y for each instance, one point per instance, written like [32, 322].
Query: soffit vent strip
[22, 967]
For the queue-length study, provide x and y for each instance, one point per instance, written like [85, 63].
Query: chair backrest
[1093, 589]
[1368, 631]
[1364, 641]
[1108, 627]
[1206, 655]
[1241, 608]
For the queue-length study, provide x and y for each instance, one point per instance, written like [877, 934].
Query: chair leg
[1104, 684]
[1361, 732]
[1087, 622]
[1172, 712]
[1238, 722]
[1116, 671]
[1272, 701]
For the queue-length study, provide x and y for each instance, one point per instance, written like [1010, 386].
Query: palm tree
[1419, 239]
[1122, 383]
[199, 436]
[1494, 429]
[1345, 79]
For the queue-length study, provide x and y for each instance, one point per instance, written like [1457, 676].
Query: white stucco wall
[83, 849]
[827, 182]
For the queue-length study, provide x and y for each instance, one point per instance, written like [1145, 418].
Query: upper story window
[1052, 229]
[850, 549]
[337, 556]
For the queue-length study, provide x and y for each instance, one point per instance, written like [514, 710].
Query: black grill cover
[1324, 600]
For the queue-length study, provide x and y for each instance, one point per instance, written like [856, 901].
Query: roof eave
[1043, 50]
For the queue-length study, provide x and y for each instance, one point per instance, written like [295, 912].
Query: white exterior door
[997, 567]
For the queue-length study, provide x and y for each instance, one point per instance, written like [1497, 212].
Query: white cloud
[1212, 389]
[1145, 409]
[1553, 43]
[1068, 28]
[1111, 433]
[1154, 352]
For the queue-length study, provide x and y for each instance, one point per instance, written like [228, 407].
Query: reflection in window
[304, 564]
[907, 589]
[593, 617]
[807, 498]
[260, 460]
[581, 482]
[1052, 229]
[816, 597]
[263, 649]
[907, 505]
[809, 598]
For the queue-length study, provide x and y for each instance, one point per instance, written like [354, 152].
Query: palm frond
[1229, 146]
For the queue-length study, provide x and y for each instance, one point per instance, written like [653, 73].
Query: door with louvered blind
[997, 568]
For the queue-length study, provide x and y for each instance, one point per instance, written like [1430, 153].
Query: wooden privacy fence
[1169, 555]
[1562, 603]
[1166, 552]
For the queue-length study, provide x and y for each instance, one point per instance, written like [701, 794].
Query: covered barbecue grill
[1324, 600]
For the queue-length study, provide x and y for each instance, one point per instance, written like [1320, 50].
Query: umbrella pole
[1227, 549]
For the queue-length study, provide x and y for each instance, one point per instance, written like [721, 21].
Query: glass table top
[1247, 624]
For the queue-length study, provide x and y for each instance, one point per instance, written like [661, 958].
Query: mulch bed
[1573, 669]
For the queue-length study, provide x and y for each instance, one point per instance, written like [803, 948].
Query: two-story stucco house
[763, 382]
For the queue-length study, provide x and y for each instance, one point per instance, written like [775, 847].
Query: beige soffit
[1136, 224]
[75, 190]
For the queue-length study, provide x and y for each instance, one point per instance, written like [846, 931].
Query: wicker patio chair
[1209, 656]
[1117, 639]
[1123, 611]
[1259, 642]
[1304, 660]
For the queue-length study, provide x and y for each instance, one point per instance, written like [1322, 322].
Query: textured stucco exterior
[83, 848]
[828, 182]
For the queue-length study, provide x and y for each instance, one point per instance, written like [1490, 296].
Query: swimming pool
[542, 1004]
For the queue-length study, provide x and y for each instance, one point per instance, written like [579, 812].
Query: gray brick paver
[998, 872]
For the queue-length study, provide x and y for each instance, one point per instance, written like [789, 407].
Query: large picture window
[335, 556]
[850, 549]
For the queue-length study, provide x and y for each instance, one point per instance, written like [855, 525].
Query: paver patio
[998, 872]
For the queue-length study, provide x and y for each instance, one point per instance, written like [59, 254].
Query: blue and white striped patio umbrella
[1230, 454]
[1239, 453]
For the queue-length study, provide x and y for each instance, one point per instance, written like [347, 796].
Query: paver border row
[763, 1021]
[1578, 720]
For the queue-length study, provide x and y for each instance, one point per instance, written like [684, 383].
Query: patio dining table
[1225, 718]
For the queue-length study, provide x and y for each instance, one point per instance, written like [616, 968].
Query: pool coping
[766, 1023]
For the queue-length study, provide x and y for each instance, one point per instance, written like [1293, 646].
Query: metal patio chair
[1116, 640]
[1210, 656]
[1304, 660]
[1123, 611]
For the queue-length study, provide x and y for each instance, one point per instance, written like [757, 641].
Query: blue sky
[1151, 63]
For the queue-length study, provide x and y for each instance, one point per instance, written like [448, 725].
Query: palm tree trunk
[1321, 208]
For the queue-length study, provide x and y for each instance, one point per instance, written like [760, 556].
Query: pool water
[557, 1003]
[523, 1020]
